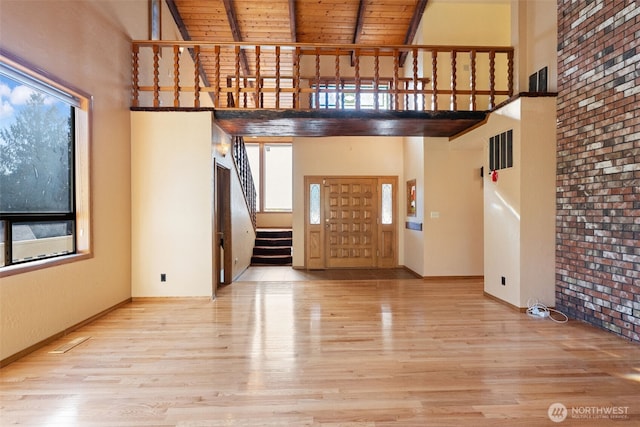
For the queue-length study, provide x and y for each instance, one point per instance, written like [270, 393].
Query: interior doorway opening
[222, 262]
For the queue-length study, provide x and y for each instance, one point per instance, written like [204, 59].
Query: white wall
[70, 40]
[356, 156]
[172, 196]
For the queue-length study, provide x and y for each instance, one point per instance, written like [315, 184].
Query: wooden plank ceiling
[371, 22]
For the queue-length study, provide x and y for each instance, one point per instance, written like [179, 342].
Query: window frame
[80, 211]
[260, 190]
[325, 89]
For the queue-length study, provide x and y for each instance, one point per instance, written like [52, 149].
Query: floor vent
[68, 346]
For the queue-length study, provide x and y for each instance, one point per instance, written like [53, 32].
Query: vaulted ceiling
[374, 22]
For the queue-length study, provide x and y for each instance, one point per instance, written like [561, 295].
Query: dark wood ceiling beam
[232, 19]
[415, 21]
[171, 4]
[292, 20]
[237, 35]
[358, 30]
[359, 22]
[413, 27]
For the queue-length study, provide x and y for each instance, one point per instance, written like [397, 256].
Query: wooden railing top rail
[342, 48]
[272, 75]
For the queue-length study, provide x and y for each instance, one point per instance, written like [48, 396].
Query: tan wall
[413, 169]
[172, 193]
[447, 172]
[243, 235]
[172, 210]
[242, 231]
[538, 182]
[274, 219]
[453, 236]
[357, 156]
[501, 207]
[70, 40]
[468, 23]
[535, 41]
[519, 209]
[502, 211]
[471, 23]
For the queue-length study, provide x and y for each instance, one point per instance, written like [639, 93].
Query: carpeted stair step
[271, 260]
[262, 241]
[273, 234]
[272, 247]
[272, 250]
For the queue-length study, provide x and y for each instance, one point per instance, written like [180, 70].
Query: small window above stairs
[272, 247]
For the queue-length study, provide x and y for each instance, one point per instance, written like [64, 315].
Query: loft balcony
[324, 90]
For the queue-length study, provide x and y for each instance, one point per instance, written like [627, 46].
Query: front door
[350, 212]
[350, 222]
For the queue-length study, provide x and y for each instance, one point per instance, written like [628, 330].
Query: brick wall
[598, 175]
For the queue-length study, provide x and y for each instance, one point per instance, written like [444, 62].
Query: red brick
[598, 220]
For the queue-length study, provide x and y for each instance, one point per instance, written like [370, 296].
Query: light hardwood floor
[326, 353]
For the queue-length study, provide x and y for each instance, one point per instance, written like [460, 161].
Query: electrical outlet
[163, 277]
[503, 281]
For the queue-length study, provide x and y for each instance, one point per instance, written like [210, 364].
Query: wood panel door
[345, 226]
[350, 214]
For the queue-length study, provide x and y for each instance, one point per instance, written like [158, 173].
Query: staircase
[272, 247]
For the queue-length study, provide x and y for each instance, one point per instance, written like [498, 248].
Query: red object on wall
[494, 176]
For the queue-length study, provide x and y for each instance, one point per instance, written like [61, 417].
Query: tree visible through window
[36, 156]
[37, 206]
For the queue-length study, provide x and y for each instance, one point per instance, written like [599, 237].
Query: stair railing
[243, 168]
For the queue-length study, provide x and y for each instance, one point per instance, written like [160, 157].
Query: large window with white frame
[43, 167]
[272, 169]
